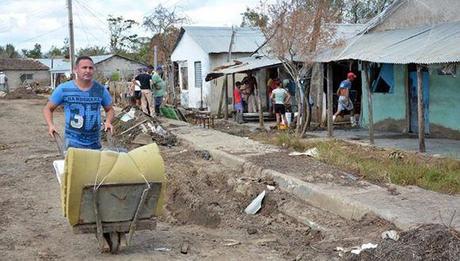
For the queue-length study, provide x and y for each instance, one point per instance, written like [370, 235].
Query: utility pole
[71, 39]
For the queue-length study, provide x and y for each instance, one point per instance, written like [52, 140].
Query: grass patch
[379, 165]
[374, 164]
[287, 140]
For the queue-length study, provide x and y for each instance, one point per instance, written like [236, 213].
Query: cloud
[26, 22]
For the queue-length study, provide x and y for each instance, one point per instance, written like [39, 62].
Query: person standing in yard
[250, 83]
[280, 97]
[82, 99]
[3, 82]
[146, 93]
[238, 103]
[159, 89]
[344, 103]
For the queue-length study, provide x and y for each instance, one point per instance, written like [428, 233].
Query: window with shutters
[198, 77]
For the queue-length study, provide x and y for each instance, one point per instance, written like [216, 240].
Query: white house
[199, 50]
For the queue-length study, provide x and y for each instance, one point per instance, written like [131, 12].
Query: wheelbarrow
[112, 210]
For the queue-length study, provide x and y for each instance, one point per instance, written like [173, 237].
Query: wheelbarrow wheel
[113, 240]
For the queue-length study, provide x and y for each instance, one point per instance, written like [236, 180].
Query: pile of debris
[21, 93]
[426, 242]
[132, 126]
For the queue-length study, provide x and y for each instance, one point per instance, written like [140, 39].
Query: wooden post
[226, 97]
[221, 100]
[421, 112]
[233, 90]
[259, 106]
[370, 113]
[329, 100]
[319, 95]
[407, 98]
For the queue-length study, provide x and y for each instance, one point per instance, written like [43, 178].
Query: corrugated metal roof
[261, 60]
[59, 65]
[423, 45]
[217, 39]
[63, 65]
[346, 31]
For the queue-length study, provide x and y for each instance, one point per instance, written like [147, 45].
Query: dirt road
[204, 210]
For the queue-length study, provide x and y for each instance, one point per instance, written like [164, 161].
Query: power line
[94, 15]
[41, 35]
[82, 25]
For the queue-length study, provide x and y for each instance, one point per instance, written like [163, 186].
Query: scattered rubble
[255, 205]
[204, 154]
[22, 93]
[184, 248]
[426, 242]
[3, 146]
[310, 152]
[390, 234]
[132, 126]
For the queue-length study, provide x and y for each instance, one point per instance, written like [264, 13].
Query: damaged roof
[21, 64]
[243, 65]
[261, 60]
[423, 45]
[217, 39]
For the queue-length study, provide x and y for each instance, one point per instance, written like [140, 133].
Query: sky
[26, 22]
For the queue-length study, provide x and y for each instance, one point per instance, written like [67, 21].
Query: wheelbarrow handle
[109, 136]
[59, 143]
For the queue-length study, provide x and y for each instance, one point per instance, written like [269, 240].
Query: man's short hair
[83, 57]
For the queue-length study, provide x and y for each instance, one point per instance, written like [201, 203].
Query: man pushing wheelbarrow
[107, 193]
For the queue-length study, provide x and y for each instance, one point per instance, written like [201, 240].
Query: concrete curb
[308, 192]
[410, 207]
[352, 204]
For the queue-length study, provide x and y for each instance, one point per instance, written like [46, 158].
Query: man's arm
[48, 114]
[288, 97]
[109, 112]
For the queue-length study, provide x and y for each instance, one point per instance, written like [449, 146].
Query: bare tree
[361, 11]
[121, 37]
[252, 18]
[296, 30]
[164, 23]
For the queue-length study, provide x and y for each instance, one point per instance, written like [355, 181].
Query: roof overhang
[243, 65]
[432, 44]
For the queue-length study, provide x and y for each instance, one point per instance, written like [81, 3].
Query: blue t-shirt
[82, 111]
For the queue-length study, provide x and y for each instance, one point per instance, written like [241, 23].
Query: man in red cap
[344, 102]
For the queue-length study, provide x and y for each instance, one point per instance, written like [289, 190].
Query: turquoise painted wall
[444, 99]
[386, 105]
